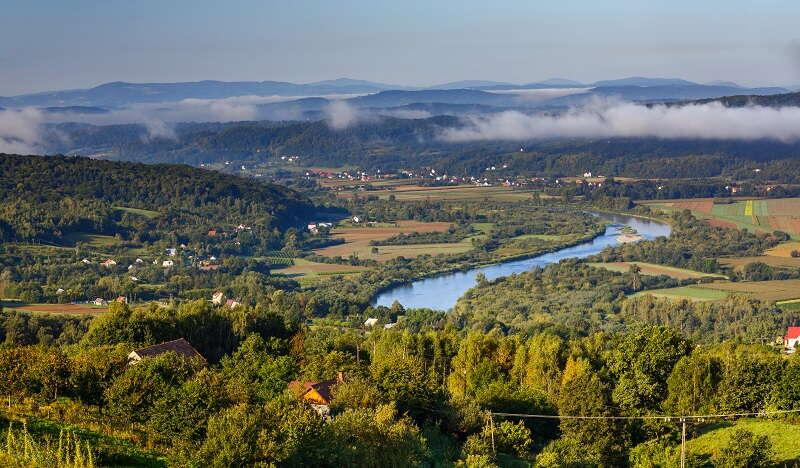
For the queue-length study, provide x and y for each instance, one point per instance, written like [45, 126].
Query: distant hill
[469, 84]
[49, 197]
[775, 100]
[642, 81]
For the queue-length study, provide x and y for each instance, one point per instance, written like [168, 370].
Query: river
[442, 291]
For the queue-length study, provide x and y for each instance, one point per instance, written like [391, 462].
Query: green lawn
[785, 437]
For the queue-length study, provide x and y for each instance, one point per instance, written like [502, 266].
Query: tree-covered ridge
[44, 198]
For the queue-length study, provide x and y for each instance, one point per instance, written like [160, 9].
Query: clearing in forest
[653, 269]
[782, 433]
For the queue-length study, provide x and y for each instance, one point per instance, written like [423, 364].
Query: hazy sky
[60, 44]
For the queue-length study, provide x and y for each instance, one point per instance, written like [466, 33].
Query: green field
[793, 305]
[138, 211]
[691, 293]
[458, 193]
[785, 438]
[91, 240]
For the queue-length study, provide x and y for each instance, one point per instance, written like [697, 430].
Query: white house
[217, 298]
[792, 339]
[100, 302]
[86, 261]
[109, 263]
[167, 263]
[172, 251]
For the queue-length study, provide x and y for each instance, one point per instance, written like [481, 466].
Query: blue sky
[58, 44]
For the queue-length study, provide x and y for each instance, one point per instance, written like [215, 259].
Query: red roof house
[179, 346]
[792, 339]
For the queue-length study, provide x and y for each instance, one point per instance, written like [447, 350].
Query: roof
[792, 333]
[323, 388]
[179, 346]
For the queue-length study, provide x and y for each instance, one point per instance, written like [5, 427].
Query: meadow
[652, 269]
[449, 193]
[778, 290]
[357, 241]
[783, 435]
[58, 309]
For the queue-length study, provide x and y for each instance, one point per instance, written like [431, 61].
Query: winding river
[441, 292]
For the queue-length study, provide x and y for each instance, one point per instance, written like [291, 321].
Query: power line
[648, 417]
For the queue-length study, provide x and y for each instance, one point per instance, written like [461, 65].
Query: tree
[744, 449]
[692, 385]
[583, 393]
[636, 278]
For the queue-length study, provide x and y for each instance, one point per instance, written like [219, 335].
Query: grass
[793, 305]
[138, 211]
[785, 438]
[55, 309]
[771, 260]
[652, 269]
[302, 267]
[92, 240]
[784, 249]
[357, 241]
[111, 451]
[763, 290]
[690, 293]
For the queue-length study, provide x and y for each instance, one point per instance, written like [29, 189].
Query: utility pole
[683, 443]
[491, 431]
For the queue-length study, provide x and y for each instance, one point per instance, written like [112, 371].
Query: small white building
[217, 298]
[172, 251]
[100, 302]
[370, 322]
[167, 263]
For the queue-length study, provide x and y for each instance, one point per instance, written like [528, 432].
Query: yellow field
[784, 250]
[357, 241]
[771, 260]
[308, 268]
[58, 309]
[762, 290]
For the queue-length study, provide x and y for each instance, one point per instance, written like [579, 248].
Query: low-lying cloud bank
[605, 119]
[20, 131]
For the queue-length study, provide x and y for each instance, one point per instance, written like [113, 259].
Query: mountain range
[473, 92]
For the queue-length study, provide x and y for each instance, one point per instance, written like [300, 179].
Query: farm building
[792, 339]
[317, 394]
[179, 346]
[232, 304]
[109, 263]
[100, 302]
[167, 263]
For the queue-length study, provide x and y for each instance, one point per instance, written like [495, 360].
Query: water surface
[441, 292]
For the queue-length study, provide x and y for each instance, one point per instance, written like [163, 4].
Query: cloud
[341, 115]
[617, 119]
[20, 131]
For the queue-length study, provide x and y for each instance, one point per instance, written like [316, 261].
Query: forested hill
[45, 197]
[775, 100]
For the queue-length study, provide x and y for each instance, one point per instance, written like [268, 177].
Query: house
[179, 346]
[109, 263]
[389, 326]
[139, 260]
[217, 297]
[232, 304]
[167, 263]
[312, 228]
[212, 233]
[60, 291]
[317, 394]
[130, 267]
[356, 219]
[370, 322]
[86, 261]
[791, 341]
[134, 279]
[172, 251]
[122, 299]
[100, 302]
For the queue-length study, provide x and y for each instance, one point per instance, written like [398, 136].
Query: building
[317, 394]
[212, 233]
[100, 302]
[791, 341]
[217, 298]
[370, 322]
[172, 251]
[122, 299]
[167, 263]
[232, 304]
[109, 263]
[179, 346]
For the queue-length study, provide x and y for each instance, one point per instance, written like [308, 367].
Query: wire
[664, 417]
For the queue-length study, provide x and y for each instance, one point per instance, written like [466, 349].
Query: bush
[744, 449]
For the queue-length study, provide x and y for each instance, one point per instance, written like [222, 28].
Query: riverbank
[441, 290]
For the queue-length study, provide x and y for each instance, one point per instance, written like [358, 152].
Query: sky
[63, 44]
